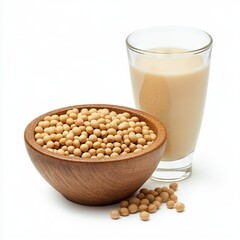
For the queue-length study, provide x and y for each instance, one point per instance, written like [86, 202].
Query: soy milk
[174, 90]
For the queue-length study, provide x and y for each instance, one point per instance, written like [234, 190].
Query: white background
[56, 53]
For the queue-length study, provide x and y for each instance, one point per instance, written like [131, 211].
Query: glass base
[172, 171]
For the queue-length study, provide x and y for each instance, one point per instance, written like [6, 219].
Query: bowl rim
[159, 141]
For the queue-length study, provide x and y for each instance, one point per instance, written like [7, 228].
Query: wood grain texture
[97, 181]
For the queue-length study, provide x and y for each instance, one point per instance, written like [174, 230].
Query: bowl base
[94, 203]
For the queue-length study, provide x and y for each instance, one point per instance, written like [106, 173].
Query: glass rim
[193, 51]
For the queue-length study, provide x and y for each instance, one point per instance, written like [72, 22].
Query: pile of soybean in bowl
[93, 133]
[148, 201]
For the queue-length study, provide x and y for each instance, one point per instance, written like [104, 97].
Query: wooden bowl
[101, 181]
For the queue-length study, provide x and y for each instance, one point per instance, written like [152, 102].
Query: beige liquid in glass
[174, 90]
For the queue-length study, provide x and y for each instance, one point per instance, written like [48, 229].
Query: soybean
[144, 216]
[82, 130]
[179, 207]
[115, 214]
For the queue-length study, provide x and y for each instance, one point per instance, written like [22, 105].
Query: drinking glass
[169, 68]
